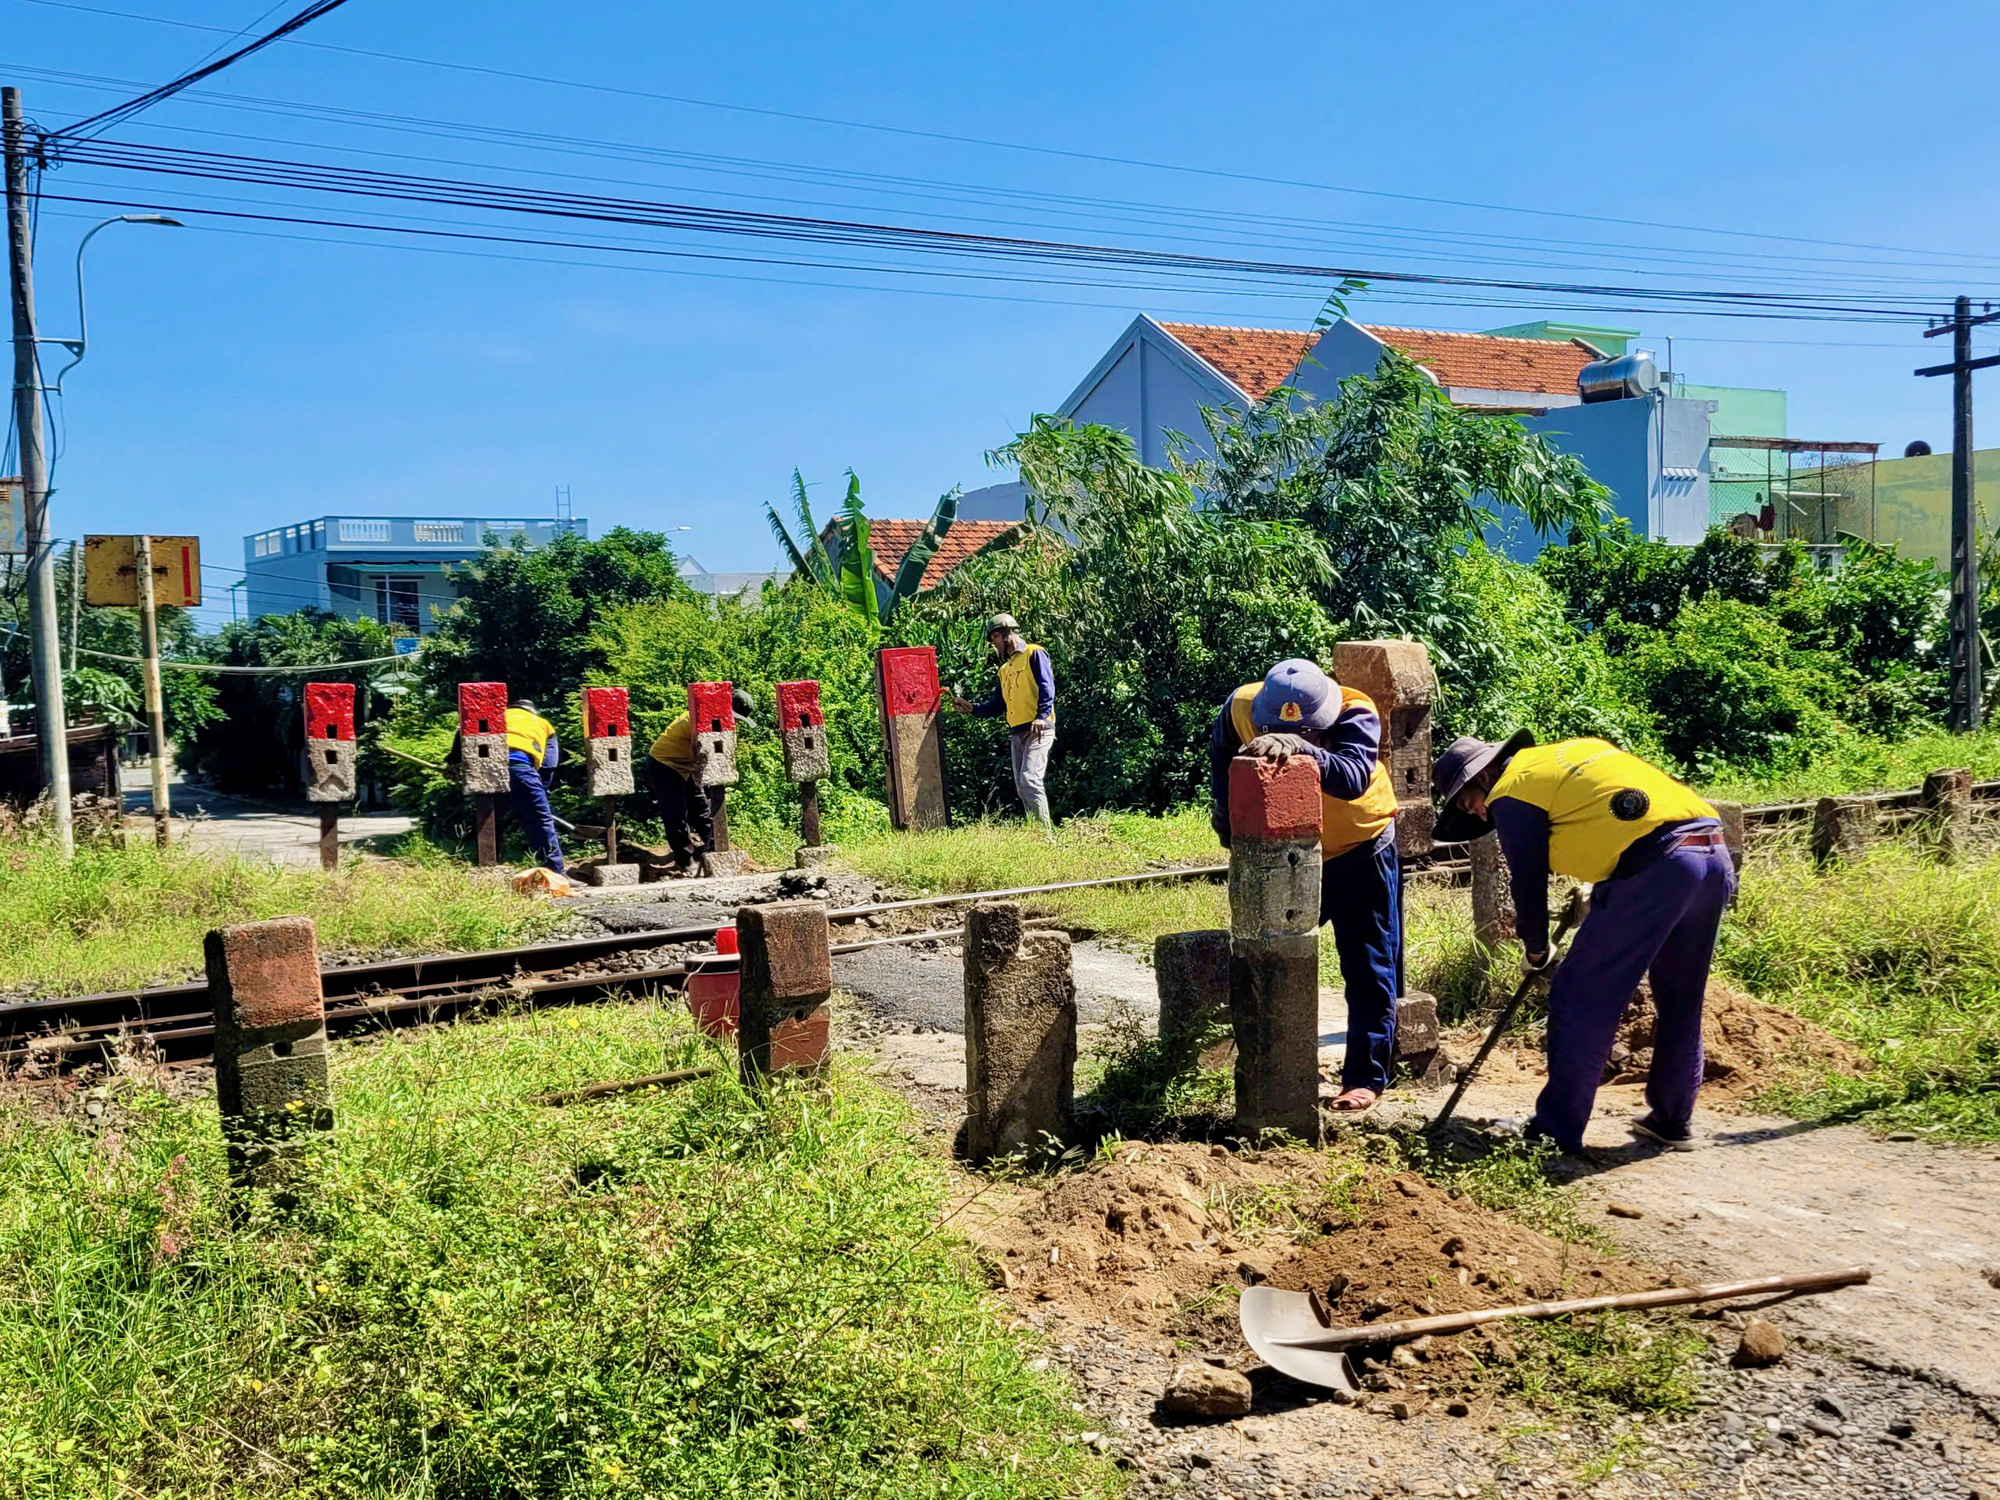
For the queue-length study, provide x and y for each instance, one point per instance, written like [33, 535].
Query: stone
[607, 766]
[1398, 679]
[483, 759]
[719, 864]
[1842, 828]
[1822, 1427]
[329, 770]
[1619, 1209]
[271, 1078]
[597, 872]
[1762, 1344]
[1418, 1052]
[1274, 1011]
[1202, 1390]
[783, 1022]
[1832, 1407]
[1946, 823]
[1457, 1409]
[1020, 1033]
[1902, 1427]
[1191, 970]
[908, 693]
[811, 856]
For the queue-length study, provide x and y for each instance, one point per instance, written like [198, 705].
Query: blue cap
[1296, 695]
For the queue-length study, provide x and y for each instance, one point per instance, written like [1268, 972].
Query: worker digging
[1660, 876]
[1298, 710]
[685, 807]
[1026, 695]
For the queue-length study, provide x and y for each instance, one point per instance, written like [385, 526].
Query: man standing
[687, 810]
[1660, 877]
[1026, 693]
[532, 756]
[1299, 710]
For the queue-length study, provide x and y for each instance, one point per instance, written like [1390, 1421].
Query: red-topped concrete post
[908, 693]
[482, 729]
[712, 722]
[607, 774]
[802, 728]
[329, 711]
[1274, 876]
[270, 1044]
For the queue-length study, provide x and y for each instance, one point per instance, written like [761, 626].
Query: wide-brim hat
[1461, 762]
[1296, 696]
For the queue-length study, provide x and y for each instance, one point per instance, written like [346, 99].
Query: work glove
[1278, 747]
[1218, 819]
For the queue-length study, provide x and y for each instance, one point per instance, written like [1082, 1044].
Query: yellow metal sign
[111, 572]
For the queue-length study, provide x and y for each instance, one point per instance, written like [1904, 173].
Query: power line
[167, 90]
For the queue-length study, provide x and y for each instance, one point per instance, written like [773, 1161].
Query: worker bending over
[1299, 710]
[1026, 693]
[688, 810]
[532, 756]
[1660, 877]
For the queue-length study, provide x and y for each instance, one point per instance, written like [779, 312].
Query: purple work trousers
[1662, 919]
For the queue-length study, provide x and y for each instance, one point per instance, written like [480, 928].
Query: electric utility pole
[45, 648]
[1965, 694]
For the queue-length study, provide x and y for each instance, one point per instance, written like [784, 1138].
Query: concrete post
[1947, 813]
[712, 719]
[1274, 876]
[908, 694]
[608, 775]
[1020, 1033]
[1730, 814]
[802, 728]
[1417, 1051]
[329, 715]
[1842, 828]
[482, 728]
[1192, 972]
[270, 1045]
[1397, 675]
[1492, 902]
[783, 1024]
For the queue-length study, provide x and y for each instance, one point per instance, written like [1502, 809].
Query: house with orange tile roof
[890, 540]
[1645, 444]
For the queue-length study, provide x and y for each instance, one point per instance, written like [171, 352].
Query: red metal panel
[607, 712]
[909, 680]
[709, 707]
[798, 705]
[329, 710]
[482, 707]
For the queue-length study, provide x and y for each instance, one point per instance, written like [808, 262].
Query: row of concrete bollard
[1843, 827]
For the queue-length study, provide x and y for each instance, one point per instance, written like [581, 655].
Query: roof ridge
[1235, 328]
[1469, 333]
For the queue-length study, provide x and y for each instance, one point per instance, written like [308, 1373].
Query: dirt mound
[1748, 1044]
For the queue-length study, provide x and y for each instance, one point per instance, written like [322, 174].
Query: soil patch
[1748, 1045]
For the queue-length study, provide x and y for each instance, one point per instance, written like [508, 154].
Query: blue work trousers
[1360, 893]
[530, 801]
[1661, 919]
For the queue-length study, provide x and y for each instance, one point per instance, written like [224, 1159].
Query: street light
[76, 345]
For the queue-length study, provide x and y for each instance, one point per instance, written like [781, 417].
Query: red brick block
[798, 706]
[710, 709]
[800, 1042]
[909, 681]
[482, 707]
[330, 711]
[264, 975]
[1269, 800]
[607, 713]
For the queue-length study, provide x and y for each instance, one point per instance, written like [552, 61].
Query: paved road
[208, 819]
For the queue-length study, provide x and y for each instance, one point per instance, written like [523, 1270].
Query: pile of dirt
[1748, 1044]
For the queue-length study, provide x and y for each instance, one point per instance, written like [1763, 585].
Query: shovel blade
[1270, 1316]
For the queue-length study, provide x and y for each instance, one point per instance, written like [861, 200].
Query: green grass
[672, 1293]
[135, 916]
[1858, 764]
[1896, 954]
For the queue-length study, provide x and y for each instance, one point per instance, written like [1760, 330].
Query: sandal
[1356, 1101]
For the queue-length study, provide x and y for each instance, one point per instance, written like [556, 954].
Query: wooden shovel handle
[1672, 1296]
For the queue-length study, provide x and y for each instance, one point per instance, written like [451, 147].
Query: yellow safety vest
[1600, 801]
[1018, 692]
[528, 732]
[675, 746]
[1342, 825]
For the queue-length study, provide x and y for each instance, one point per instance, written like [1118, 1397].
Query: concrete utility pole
[1965, 691]
[45, 648]
[156, 698]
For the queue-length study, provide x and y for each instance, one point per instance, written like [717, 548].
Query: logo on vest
[1630, 805]
[1291, 713]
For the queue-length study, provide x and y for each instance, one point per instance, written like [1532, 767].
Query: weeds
[1602, 1363]
[682, 1292]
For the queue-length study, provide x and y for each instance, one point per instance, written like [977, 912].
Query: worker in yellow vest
[1299, 710]
[1026, 693]
[1660, 877]
[687, 810]
[532, 756]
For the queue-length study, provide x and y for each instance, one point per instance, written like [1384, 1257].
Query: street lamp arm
[79, 345]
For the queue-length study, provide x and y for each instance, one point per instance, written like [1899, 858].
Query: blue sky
[242, 376]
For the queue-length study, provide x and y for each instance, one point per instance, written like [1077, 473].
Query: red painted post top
[798, 706]
[709, 707]
[1272, 801]
[482, 707]
[909, 680]
[329, 710]
[607, 713]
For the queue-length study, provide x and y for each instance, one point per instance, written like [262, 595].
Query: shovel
[1292, 1332]
[1572, 913]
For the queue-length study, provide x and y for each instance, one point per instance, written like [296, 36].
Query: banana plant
[845, 565]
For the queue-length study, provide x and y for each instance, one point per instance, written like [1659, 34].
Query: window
[397, 602]
[440, 531]
[364, 531]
